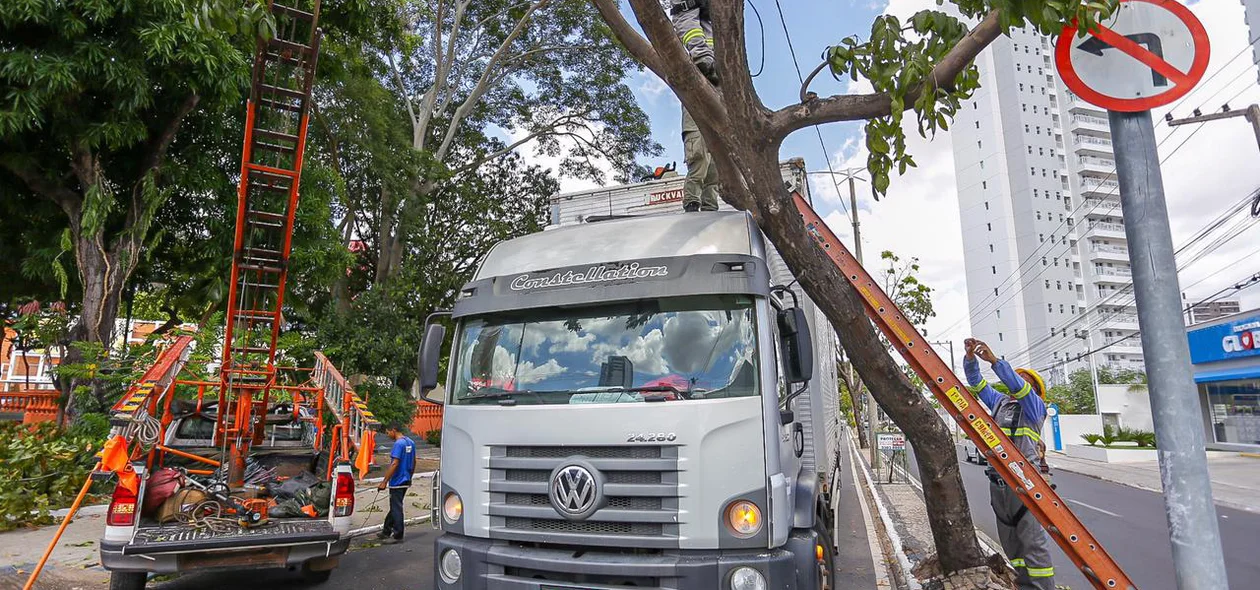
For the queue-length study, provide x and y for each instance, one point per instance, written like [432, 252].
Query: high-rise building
[1211, 310]
[1252, 18]
[1047, 265]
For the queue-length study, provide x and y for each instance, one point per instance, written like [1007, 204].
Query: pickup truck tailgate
[175, 538]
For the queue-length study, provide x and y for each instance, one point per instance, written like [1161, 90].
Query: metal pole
[1196, 539]
[872, 411]
[1253, 115]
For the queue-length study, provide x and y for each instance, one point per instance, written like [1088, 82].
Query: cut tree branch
[857, 107]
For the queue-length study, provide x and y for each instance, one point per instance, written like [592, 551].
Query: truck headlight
[746, 578]
[743, 518]
[452, 508]
[452, 566]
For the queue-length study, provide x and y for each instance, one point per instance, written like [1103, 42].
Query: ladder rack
[1052, 512]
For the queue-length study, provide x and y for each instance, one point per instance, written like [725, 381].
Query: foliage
[390, 404]
[1111, 435]
[898, 58]
[1076, 396]
[1108, 375]
[902, 285]
[433, 437]
[41, 469]
[91, 426]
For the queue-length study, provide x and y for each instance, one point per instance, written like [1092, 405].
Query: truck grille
[640, 489]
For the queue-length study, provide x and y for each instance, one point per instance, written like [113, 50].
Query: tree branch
[696, 93]
[856, 107]
[629, 38]
[68, 200]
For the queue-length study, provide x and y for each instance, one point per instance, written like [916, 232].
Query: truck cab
[633, 403]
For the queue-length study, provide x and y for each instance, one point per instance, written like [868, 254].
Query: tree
[96, 97]
[925, 65]
[543, 72]
[1076, 396]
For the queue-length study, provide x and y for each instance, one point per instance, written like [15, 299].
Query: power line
[761, 25]
[821, 143]
[1204, 83]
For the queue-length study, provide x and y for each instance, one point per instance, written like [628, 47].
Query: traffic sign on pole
[1149, 54]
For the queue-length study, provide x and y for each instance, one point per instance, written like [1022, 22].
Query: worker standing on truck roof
[397, 478]
[1020, 415]
[691, 23]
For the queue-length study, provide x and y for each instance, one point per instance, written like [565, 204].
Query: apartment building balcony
[1091, 164]
[1091, 124]
[1121, 345]
[1103, 229]
[1100, 188]
[1108, 252]
[1089, 145]
[1103, 206]
[1120, 321]
[1113, 275]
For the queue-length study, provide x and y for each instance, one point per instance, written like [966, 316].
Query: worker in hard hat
[691, 23]
[1020, 415]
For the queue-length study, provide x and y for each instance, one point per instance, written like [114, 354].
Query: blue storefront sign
[1053, 411]
[1237, 339]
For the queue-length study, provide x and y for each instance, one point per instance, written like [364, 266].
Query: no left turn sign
[1150, 53]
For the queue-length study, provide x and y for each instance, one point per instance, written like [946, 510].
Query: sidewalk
[75, 560]
[1235, 478]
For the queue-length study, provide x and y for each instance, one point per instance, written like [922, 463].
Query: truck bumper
[499, 565]
[265, 557]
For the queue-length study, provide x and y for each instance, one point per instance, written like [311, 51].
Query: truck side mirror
[796, 345]
[430, 355]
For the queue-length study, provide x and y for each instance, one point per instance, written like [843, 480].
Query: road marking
[1084, 505]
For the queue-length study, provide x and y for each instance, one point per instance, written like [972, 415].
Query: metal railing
[1095, 161]
[1113, 272]
[1091, 120]
[1085, 139]
[1109, 248]
[1100, 186]
[1104, 226]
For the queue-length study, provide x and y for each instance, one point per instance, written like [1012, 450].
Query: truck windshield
[677, 349]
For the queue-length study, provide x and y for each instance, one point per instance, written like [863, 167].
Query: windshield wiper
[506, 395]
[683, 393]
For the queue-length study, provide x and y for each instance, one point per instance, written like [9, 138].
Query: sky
[1216, 166]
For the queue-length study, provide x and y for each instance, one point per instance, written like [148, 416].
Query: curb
[1251, 509]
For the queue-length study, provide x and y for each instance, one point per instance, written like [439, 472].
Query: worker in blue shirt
[1021, 416]
[402, 466]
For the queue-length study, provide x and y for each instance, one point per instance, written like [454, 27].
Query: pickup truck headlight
[452, 508]
[451, 566]
[743, 518]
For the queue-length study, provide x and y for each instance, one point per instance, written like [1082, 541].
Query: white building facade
[1048, 277]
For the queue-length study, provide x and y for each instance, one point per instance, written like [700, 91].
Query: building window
[1041, 237]
[1027, 129]
[1047, 283]
[1032, 170]
[1041, 151]
[1038, 216]
[1030, 150]
[1039, 130]
[990, 248]
[1035, 193]
[1073, 310]
[979, 146]
[977, 124]
[999, 314]
[994, 269]
[1060, 308]
[999, 337]
[1058, 285]
[982, 164]
[1056, 261]
[1044, 261]
[995, 292]
[1025, 107]
[990, 225]
[1021, 87]
[1049, 308]
[986, 205]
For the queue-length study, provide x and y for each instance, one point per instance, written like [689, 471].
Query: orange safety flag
[115, 458]
[366, 448]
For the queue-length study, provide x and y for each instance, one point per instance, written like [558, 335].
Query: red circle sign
[1140, 61]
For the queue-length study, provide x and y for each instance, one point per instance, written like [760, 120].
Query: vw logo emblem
[575, 492]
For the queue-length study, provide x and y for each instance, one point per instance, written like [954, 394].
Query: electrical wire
[761, 25]
[821, 143]
[1204, 83]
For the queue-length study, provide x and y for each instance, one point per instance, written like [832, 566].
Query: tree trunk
[103, 273]
[853, 390]
[948, 512]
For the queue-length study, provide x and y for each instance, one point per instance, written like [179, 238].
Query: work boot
[691, 207]
[709, 70]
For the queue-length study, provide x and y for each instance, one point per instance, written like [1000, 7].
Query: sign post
[1151, 53]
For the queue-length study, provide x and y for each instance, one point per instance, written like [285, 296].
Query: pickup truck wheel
[127, 580]
[314, 576]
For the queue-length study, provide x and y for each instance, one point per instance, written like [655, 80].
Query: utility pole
[1196, 536]
[1251, 113]
[872, 410]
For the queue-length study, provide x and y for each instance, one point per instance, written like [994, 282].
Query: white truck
[635, 402]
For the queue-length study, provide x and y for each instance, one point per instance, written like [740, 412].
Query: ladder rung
[275, 148]
[272, 173]
[260, 253]
[282, 46]
[275, 136]
[267, 89]
[266, 215]
[256, 223]
[275, 104]
[274, 188]
[259, 285]
[291, 11]
[260, 268]
[251, 349]
[259, 315]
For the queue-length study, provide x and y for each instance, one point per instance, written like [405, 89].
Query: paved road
[1130, 524]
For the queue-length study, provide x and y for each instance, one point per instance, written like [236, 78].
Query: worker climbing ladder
[1064, 527]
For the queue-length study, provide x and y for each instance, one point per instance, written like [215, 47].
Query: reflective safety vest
[1009, 416]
